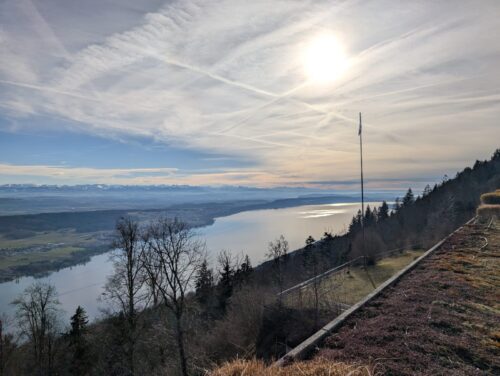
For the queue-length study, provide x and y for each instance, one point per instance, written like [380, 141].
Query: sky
[221, 92]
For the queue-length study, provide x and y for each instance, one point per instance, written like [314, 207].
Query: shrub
[492, 198]
[373, 245]
[236, 334]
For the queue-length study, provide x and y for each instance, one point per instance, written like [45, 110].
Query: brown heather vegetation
[442, 318]
[490, 206]
[316, 367]
[486, 212]
[492, 198]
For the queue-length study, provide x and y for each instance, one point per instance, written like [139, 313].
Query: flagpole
[362, 183]
[360, 133]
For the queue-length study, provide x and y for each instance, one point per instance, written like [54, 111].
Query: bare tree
[175, 254]
[7, 345]
[124, 287]
[2, 348]
[37, 311]
[152, 276]
[278, 252]
[311, 260]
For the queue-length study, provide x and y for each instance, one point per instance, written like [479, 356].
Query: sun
[324, 59]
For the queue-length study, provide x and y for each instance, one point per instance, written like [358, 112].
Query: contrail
[254, 110]
[276, 96]
[49, 89]
[95, 98]
[219, 78]
[170, 61]
[44, 28]
[410, 89]
[249, 139]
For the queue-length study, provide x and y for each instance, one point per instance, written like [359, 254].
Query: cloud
[68, 174]
[64, 174]
[226, 77]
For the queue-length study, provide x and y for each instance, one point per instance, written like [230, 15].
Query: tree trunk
[316, 305]
[131, 309]
[130, 354]
[180, 344]
[2, 366]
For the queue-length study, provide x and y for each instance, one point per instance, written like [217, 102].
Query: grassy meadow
[354, 283]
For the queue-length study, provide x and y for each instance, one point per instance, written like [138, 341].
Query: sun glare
[325, 59]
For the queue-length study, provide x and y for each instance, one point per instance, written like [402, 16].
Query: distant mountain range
[110, 187]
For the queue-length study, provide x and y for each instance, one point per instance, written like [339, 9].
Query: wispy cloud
[100, 175]
[227, 77]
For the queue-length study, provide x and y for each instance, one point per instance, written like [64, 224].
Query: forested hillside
[414, 220]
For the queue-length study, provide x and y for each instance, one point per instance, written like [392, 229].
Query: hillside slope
[441, 318]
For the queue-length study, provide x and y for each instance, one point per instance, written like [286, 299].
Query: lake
[242, 233]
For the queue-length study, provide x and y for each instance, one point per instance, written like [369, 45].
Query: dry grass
[316, 367]
[485, 212]
[490, 206]
[349, 288]
[356, 285]
[492, 198]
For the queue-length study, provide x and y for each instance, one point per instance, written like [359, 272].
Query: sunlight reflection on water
[321, 213]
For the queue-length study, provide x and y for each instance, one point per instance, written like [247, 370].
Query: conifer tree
[427, 190]
[310, 242]
[244, 271]
[383, 212]
[397, 206]
[226, 277]
[409, 198]
[79, 346]
[204, 283]
[327, 236]
[369, 218]
[355, 223]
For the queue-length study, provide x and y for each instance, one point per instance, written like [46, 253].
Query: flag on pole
[359, 132]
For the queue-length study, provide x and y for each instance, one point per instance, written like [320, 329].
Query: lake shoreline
[242, 233]
[197, 215]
